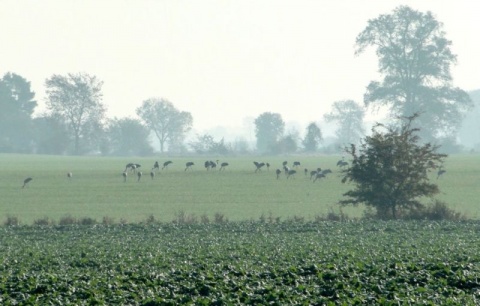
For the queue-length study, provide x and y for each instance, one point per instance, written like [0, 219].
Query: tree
[16, 108]
[76, 98]
[313, 138]
[269, 127]
[415, 59]
[206, 144]
[390, 170]
[168, 123]
[128, 137]
[51, 135]
[349, 116]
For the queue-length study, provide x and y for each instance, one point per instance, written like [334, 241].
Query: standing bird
[319, 175]
[139, 175]
[268, 166]
[278, 172]
[25, 182]
[156, 166]
[124, 174]
[69, 175]
[440, 172]
[152, 174]
[188, 165]
[305, 171]
[290, 173]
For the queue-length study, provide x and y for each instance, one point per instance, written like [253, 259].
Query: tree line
[414, 59]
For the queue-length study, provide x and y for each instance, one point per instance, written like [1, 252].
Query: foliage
[246, 263]
[16, 108]
[168, 123]
[415, 59]
[390, 171]
[349, 116]
[313, 138]
[51, 135]
[76, 99]
[128, 137]
[206, 144]
[269, 128]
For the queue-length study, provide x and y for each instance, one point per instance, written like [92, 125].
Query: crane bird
[124, 174]
[165, 164]
[139, 175]
[296, 164]
[278, 172]
[319, 175]
[25, 181]
[223, 165]
[188, 165]
[290, 173]
[69, 175]
[156, 166]
[258, 166]
[152, 174]
[440, 172]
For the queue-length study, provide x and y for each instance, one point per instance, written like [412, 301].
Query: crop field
[97, 188]
[273, 251]
[242, 263]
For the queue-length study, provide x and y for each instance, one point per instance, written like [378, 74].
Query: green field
[242, 263]
[97, 188]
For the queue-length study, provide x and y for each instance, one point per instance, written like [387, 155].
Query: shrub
[67, 220]
[45, 221]
[12, 221]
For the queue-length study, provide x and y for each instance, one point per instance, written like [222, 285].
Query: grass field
[97, 188]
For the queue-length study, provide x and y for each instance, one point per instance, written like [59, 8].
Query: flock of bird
[319, 173]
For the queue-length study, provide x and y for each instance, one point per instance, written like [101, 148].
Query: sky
[224, 61]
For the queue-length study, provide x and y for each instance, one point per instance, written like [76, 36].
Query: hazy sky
[220, 60]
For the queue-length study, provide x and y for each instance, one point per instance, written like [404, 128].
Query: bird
[305, 171]
[165, 164]
[223, 165]
[278, 172]
[258, 166]
[290, 173]
[342, 163]
[268, 166]
[319, 175]
[152, 174]
[296, 164]
[326, 171]
[188, 165]
[124, 174]
[26, 181]
[440, 172]
[156, 166]
[69, 175]
[139, 175]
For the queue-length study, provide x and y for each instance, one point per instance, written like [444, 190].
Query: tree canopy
[77, 99]
[415, 60]
[16, 108]
[269, 128]
[313, 138]
[168, 123]
[349, 117]
[390, 170]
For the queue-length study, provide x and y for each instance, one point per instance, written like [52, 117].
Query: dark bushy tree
[313, 138]
[16, 108]
[390, 170]
[269, 128]
[415, 59]
[128, 137]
